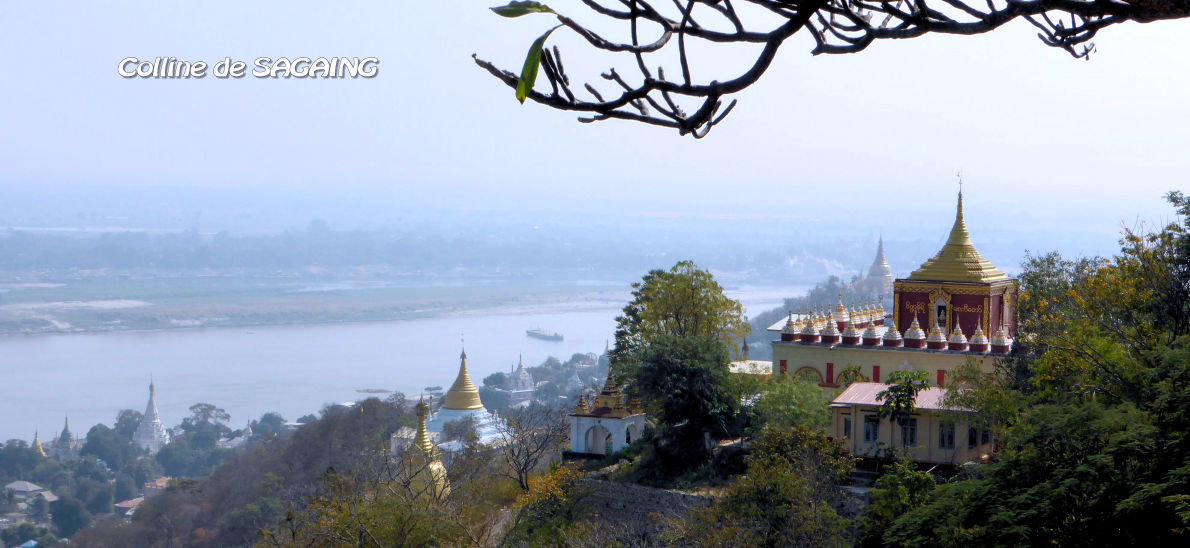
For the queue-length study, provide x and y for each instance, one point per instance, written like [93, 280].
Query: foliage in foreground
[787, 498]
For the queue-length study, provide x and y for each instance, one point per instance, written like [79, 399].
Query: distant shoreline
[531, 304]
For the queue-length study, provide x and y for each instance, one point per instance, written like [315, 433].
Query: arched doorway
[631, 434]
[808, 372]
[599, 440]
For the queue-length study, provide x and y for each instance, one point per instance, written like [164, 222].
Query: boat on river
[544, 335]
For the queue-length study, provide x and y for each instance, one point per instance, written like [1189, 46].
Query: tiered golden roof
[958, 260]
[462, 395]
[580, 407]
[610, 398]
[830, 330]
[810, 329]
[892, 334]
[870, 332]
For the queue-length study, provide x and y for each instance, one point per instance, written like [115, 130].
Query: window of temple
[972, 438]
[846, 428]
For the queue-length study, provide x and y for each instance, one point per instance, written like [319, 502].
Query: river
[290, 369]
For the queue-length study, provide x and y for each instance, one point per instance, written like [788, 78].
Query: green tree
[787, 498]
[69, 515]
[111, 446]
[684, 301]
[269, 423]
[786, 402]
[899, 490]
[899, 398]
[127, 421]
[687, 385]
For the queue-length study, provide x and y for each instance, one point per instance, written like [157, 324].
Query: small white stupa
[151, 435]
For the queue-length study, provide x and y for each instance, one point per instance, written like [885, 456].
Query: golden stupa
[37, 444]
[429, 475]
[462, 396]
[958, 260]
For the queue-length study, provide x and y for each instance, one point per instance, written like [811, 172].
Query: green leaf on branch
[517, 9]
[532, 63]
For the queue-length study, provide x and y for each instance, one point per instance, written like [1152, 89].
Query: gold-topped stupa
[37, 445]
[429, 475]
[462, 395]
[958, 260]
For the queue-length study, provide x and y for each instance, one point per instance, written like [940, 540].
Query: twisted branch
[836, 26]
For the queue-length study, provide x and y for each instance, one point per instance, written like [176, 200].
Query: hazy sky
[1042, 139]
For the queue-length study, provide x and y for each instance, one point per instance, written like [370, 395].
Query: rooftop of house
[864, 394]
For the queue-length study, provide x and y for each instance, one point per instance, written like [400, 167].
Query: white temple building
[151, 435]
[606, 426]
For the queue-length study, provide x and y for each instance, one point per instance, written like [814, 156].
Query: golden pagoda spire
[429, 475]
[958, 260]
[610, 397]
[422, 440]
[462, 394]
[580, 406]
[37, 444]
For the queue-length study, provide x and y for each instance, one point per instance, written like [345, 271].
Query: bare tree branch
[836, 26]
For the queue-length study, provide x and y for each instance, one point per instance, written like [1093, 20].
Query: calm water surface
[293, 369]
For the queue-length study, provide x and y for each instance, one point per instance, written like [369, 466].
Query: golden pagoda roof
[462, 394]
[958, 260]
[422, 440]
[580, 406]
[429, 475]
[37, 444]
